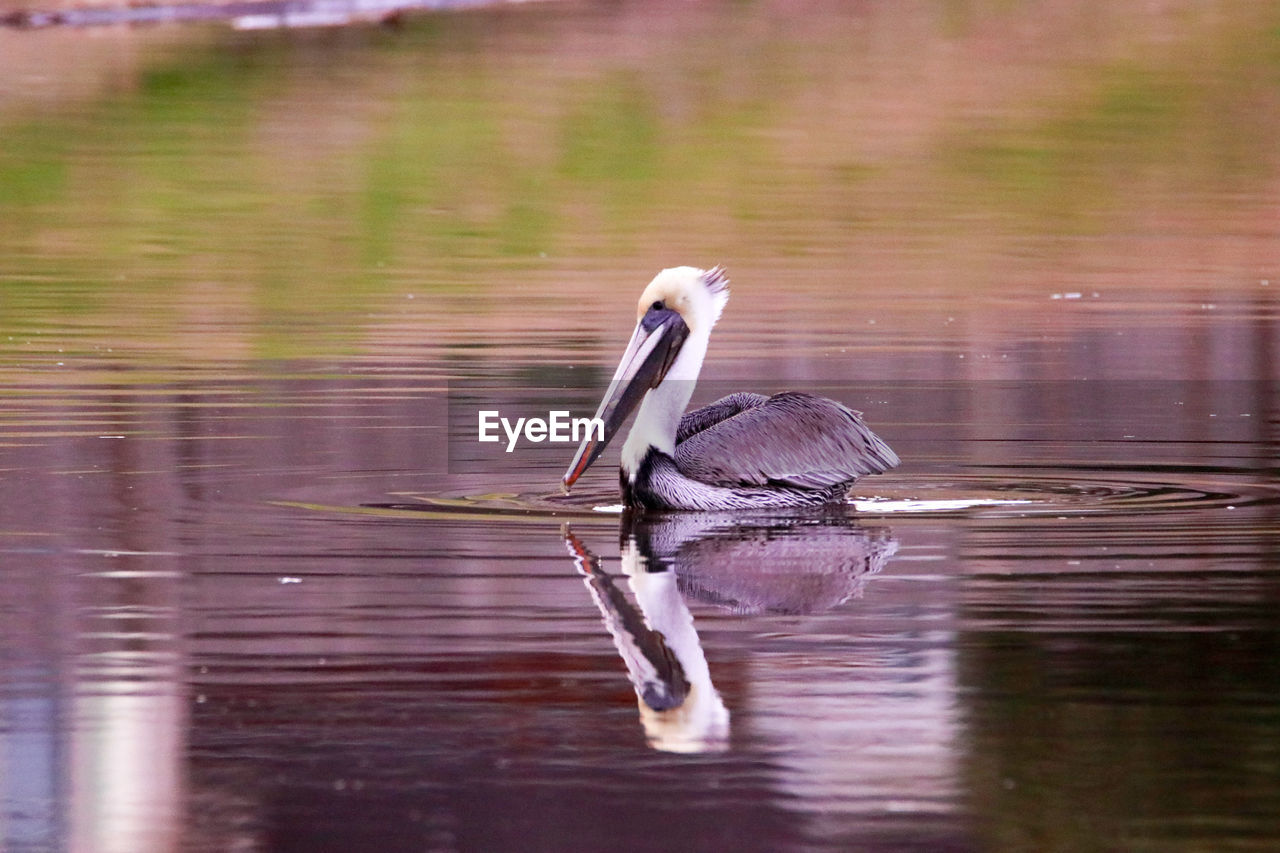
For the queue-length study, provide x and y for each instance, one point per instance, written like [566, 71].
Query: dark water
[255, 596]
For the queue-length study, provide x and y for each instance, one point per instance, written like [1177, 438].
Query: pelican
[743, 451]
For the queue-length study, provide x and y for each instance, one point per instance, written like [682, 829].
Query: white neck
[660, 411]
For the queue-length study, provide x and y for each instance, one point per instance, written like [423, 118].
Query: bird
[744, 451]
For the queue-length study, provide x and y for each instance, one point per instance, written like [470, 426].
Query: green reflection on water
[612, 137]
[32, 168]
[1110, 735]
[277, 182]
[1199, 120]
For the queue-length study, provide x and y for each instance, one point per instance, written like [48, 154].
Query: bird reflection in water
[754, 566]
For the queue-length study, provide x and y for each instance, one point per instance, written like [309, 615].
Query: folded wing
[791, 439]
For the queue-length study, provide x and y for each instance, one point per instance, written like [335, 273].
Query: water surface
[256, 596]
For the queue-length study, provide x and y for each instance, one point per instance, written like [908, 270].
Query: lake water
[261, 589]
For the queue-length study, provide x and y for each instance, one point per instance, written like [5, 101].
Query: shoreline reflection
[762, 565]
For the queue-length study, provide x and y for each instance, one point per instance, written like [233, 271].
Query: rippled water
[262, 591]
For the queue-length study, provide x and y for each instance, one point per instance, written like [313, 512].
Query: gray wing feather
[792, 439]
[708, 416]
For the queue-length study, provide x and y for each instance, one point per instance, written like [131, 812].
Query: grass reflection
[1167, 121]
[253, 185]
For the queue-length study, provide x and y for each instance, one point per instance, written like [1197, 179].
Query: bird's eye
[658, 306]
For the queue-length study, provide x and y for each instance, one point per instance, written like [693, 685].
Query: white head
[697, 296]
[674, 318]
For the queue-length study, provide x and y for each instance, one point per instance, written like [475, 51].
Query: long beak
[653, 347]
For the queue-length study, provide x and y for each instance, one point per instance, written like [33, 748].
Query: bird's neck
[659, 416]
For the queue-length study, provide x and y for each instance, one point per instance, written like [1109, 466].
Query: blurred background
[944, 169]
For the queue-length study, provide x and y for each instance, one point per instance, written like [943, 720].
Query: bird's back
[792, 439]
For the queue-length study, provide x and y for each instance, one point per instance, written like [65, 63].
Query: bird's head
[679, 304]
[696, 296]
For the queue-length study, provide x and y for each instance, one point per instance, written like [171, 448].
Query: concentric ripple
[1051, 491]
[1046, 491]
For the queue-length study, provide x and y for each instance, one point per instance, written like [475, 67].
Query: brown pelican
[743, 451]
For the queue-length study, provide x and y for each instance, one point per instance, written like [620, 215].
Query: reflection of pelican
[784, 565]
[762, 566]
[679, 707]
[746, 450]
